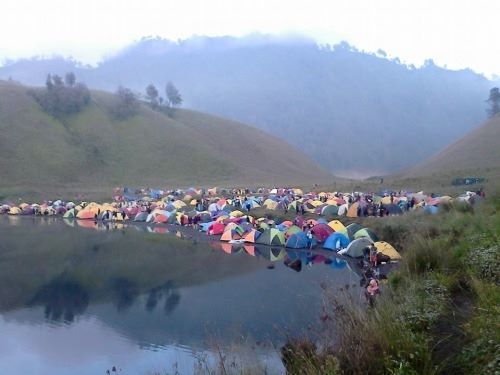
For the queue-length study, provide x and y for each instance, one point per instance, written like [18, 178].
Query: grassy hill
[353, 112]
[476, 153]
[92, 150]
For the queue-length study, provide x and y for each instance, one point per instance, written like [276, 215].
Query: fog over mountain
[356, 113]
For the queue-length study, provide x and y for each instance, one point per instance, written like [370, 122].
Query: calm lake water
[79, 298]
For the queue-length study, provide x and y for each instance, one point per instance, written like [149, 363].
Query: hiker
[373, 256]
[372, 290]
[310, 237]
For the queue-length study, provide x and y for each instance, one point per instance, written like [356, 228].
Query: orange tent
[353, 210]
[85, 215]
[251, 236]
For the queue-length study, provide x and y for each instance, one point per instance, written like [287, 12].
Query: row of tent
[351, 240]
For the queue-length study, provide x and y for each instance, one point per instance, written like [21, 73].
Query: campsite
[249, 187]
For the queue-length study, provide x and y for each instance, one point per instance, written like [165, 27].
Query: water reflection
[62, 299]
[152, 288]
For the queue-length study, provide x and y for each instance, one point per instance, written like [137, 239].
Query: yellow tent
[178, 204]
[270, 204]
[298, 192]
[337, 226]
[316, 203]
[331, 202]
[236, 213]
[14, 211]
[386, 200]
[387, 249]
[22, 206]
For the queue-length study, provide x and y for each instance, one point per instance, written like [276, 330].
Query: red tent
[321, 231]
[216, 228]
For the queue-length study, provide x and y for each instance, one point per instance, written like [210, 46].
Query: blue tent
[297, 240]
[204, 226]
[336, 241]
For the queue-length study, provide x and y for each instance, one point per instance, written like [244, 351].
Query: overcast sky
[456, 33]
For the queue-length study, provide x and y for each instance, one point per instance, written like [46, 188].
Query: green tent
[357, 247]
[365, 232]
[272, 236]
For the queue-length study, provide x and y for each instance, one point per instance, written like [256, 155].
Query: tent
[321, 231]
[69, 214]
[357, 247]
[342, 209]
[387, 249]
[297, 240]
[352, 229]
[353, 210]
[205, 226]
[365, 232]
[160, 218]
[251, 236]
[271, 236]
[292, 230]
[336, 241]
[85, 214]
[330, 210]
[216, 228]
[270, 204]
[233, 233]
[337, 226]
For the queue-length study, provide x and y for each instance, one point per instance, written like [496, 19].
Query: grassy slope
[92, 150]
[477, 152]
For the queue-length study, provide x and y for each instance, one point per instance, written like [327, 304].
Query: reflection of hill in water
[262, 305]
[157, 289]
[40, 258]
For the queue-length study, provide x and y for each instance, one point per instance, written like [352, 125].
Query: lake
[79, 298]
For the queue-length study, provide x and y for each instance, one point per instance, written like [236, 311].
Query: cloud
[458, 34]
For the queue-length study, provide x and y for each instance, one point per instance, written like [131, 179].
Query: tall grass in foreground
[440, 313]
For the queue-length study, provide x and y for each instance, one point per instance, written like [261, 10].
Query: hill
[93, 150]
[476, 153]
[357, 114]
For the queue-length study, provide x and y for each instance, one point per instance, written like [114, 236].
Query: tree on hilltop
[494, 102]
[174, 98]
[70, 79]
[62, 97]
[126, 105]
[152, 95]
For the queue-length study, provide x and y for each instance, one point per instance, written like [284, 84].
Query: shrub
[485, 263]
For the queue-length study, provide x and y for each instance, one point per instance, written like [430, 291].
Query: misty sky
[456, 33]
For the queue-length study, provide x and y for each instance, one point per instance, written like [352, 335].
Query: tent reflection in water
[272, 254]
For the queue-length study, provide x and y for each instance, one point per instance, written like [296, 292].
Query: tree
[59, 99]
[48, 83]
[70, 79]
[127, 104]
[152, 95]
[57, 80]
[494, 102]
[174, 98]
